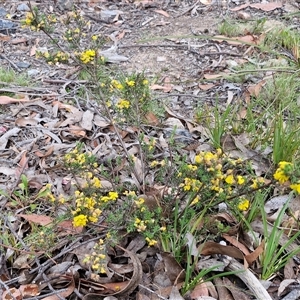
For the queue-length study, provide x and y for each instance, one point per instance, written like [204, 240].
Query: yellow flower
[80, 220]
[122, 103]
[113, 195]
[283, 164]
[198, 159]
[230, 179]
[209, 156]
[154, 164]
[254, 184]
[139, 202]
[116, 84]
[93, 219]
[240, 179]
[151, 242]
[195, 201]
[94, 37]
[244, 205]
[145, 82]
[280, 176]
[130, 82]
[192, 167]
[96, 182]
[87, 56]
[295, 187]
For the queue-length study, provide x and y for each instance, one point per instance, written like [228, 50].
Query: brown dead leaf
[172, 268]
[152, 119]
[240, 7]
[37, 219]
[46, 154]
[254, 90]
[167, 85]
[8, 100]
[136, 274]
[22, 122]
[17, 41]
[32, 50]
[162, 12]
[12, 294]
[223, 292]
[242, 40]
[232, 240]
[252, 257]
[289, 269]
[199, 290]
[77, 131]
[210, 248]
[29, 290]
[4, 38]
[266, 6]
[155, 87]
[67, 292]
[66, 228]
[236, 293]
[206, 87]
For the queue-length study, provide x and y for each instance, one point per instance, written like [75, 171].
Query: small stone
[3, 12]
[65, 5]
[33, 72]
[22, 64]
[23, 7]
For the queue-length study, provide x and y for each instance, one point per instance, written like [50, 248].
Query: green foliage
[9, 76]
[276, 255]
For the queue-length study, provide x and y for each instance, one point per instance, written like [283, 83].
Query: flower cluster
[87, 56]
[132, 93]
[37, 21]
[123, 104]
[90, 198]
[286, 173]
[144, 220]
[97, 259]
[216, 176]
[58, 57]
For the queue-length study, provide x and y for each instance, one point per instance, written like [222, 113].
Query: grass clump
[9, 76]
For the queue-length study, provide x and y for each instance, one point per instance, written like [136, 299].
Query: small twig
[22, 251]
[55, 292]
[12, 63]
[187, 10]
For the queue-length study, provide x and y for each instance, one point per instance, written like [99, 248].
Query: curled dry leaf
[256, 253]
[173, 269]
[136, 275]
[37, 219]
[67, 292]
